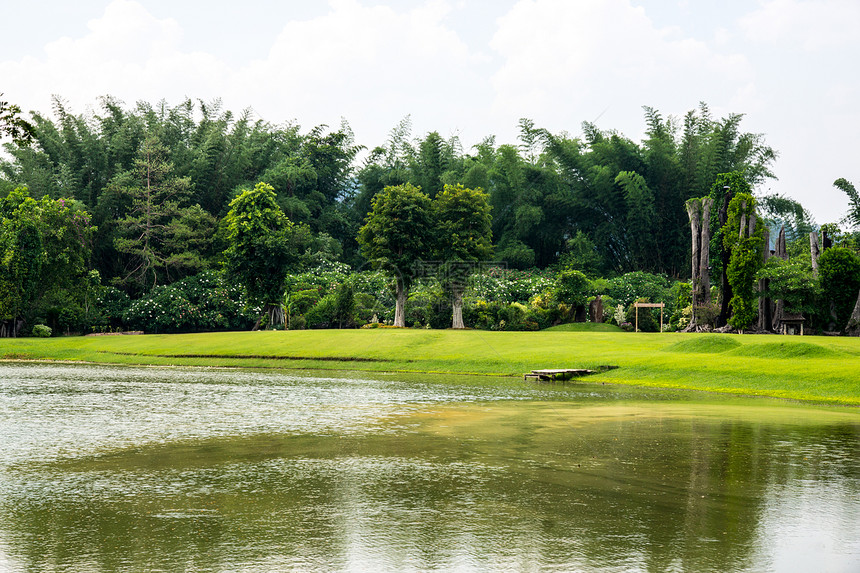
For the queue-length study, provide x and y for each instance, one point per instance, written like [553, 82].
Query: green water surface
[156, 469]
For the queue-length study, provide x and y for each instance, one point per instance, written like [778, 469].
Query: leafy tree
[839, 273]
[742, 237]
[44, 247]
[853, 215]
[158, 233]
[13, 125]
[788, 281]
[397, 235]
[263, 245]
[641, 219]
[464, 238]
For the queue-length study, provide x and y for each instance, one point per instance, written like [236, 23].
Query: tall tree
[263, 246]
[464, 239]
[397, 235]
[152, 234]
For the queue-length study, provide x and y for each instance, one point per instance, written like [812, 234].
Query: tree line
[136, 198]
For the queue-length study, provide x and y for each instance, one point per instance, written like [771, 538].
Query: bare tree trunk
[705, 251]
[400, 305]
[853, 327]
[693, 212]
[814, 251]
[457, 307]
[781, 252]
[764, 303]
[725, 287]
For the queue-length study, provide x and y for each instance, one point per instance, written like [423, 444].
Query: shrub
[199, 303]
[324, 312]
[41, 331]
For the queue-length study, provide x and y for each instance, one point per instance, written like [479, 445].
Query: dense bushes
[839, 269]
[199, 303]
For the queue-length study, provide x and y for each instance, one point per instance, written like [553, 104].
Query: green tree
[158, 230]
[397, 235]
[263, 245]
[464, 238]
[44, 247]
[12, 125]
[853, 215]
[742, 237]
[839, 273]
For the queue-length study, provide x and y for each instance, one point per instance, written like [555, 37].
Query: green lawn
[821, 369]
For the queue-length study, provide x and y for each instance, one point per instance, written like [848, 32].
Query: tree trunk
[595, 309]
[725, 255]
[705, 251]
[457, 307]
[814, 252]
[853, 328]
[693, 212]
[400, 305]
[781, 252]
[764, 303]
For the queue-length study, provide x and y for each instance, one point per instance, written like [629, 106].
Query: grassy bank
[804, 368]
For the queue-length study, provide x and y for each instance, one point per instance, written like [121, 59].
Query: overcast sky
[470, 68]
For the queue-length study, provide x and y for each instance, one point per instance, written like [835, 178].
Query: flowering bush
[508, 285]
[201, 302]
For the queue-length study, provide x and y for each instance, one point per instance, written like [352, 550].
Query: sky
[468, 68]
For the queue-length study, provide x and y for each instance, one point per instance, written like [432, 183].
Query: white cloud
[810, 25]
[370, 64]
[579, 57]
[127, 53]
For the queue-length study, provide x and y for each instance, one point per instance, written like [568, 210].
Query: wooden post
[638, 305]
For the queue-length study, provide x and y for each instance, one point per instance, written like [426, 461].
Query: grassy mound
[705, 344]
[786, 349]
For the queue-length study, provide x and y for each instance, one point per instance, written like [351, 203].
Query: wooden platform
[561, 374]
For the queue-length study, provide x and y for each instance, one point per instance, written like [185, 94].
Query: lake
[159, 469]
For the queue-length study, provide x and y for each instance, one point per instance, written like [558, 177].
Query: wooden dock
[562, 374]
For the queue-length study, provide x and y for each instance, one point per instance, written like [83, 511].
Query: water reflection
[148, 469]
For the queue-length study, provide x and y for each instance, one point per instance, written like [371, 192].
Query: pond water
[154, 469]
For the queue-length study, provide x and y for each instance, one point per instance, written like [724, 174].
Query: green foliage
[12, 125]
[744, 261]
[580, 253]
[202, 302]
[44, 247]
[789, 281]
[156, 232]
[839, 273]
[397, 231]
[263, 245]
[647, 321]
[111, 306]
[41, 331]
[572, 288]
[639, 285]
[853, 215]
[463, 221]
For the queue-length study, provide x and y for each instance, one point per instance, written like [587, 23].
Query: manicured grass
[584, 327]
[819, 369]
